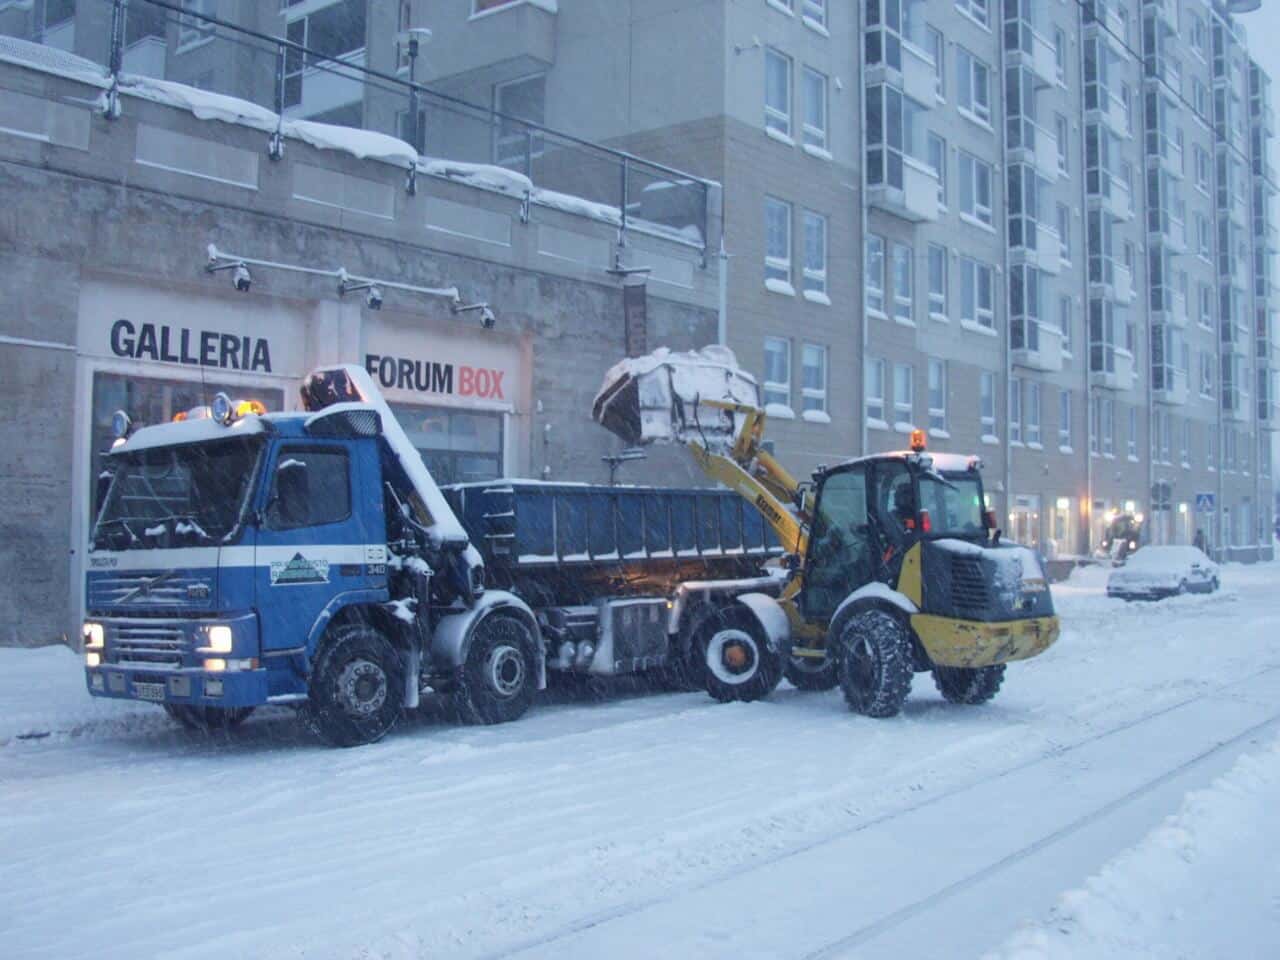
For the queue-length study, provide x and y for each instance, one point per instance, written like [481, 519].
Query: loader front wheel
[968, 685]
[874, 663]
[739, 664]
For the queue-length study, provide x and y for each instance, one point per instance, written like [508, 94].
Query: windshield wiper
[122, 521]
[184, 524]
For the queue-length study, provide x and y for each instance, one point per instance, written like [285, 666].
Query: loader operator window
[310, 487]
[840, 544]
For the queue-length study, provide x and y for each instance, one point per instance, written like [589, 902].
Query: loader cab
[869, 512]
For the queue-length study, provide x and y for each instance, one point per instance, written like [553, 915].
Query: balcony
[1034, 52]
[1035, 146]
[1046, 254]
[1116, 198]
[324, 90]
[1162, 68]
[1119, 378]
[1166, 153]
[1235, 406]
[916, 201]
[1166, 13]
[146, 57]
[1112, 25]
[1174, 312]
[1172, 236]
[1173, 388]
[1044, 352]
[1111, 112]
[504, 42]
[1122, 284]
[61, 36]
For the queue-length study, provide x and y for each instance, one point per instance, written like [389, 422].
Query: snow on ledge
[816, 416]
[779, 411]
[775, 285]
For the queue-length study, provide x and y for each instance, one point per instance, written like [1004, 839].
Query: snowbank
[1203, 884]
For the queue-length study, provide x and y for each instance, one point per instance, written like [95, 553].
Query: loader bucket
[663, 397]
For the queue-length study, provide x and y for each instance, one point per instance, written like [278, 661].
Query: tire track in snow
[599, 918]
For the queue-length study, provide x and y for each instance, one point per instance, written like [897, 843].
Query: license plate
[149, 691]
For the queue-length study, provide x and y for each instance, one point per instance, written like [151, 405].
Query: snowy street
[670, 825]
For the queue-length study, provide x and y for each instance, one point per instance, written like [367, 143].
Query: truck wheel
[739, 663]
[968, 685]
[874, 663]
[806, 673]
[357, 687]
[498, 681]
[207, 719]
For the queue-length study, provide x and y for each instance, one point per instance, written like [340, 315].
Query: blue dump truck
[241, 558]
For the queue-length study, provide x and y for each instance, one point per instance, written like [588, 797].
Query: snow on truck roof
[942, 462]
[188, 431]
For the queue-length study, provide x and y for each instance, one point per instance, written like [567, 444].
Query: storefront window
[149, 401]
[458, 446]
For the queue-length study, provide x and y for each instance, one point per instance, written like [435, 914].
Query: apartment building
[1040, 230]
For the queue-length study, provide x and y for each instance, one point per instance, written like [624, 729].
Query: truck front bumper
[974, 643]
[231, 688]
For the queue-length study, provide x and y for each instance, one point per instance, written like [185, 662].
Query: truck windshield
[188, 494]
[954, 503]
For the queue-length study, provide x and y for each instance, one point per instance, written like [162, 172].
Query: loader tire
[740, 666]
[497, 682]
[806, 673]
[874, 663]
[968, 685]
[357, 685]
[207, 719]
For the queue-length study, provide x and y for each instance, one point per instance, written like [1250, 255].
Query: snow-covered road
[642, 825]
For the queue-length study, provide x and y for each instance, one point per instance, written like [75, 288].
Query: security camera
[487, 319]
[240, 277]
[373, 299]
[212, 251]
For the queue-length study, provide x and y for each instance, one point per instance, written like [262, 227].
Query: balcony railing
[915, 200]
[1032, 50]
[276, 81]
[1032, 144]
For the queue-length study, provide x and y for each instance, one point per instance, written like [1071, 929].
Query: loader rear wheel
[968, 685]
[498, 680]
[739, 664]
[874, 663]
[207, 719]
[808, 673]
[357, 687]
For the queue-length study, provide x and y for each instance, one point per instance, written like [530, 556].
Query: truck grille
[146, 643]
[968, 586]
[149, 590]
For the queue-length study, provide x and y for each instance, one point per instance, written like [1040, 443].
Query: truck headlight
[215, 665]
[220, 639]
[92, 659]
[94, 636]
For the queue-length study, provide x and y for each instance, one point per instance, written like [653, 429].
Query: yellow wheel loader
[893, 565]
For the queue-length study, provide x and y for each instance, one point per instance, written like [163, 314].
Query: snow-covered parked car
[1155, 572]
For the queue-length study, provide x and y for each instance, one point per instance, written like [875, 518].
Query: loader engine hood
[993, 583]
[665, 397]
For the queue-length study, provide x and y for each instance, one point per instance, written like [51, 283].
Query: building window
[1108, 427]
[777, 92]
[1203, 241]
[904, 389]
[1202, 169]
[192, 29]
[1204, 312]
[815, 253]
[987, 404]
[1095, 425]
[874, 275]
[1064, 419]
[1184, 453]
[937, 282]
[1064, 233]
[873, 375]
[1062, 132]
[937, 394]
[1206, 374]
[902, 281]
[458, 446]
[1065, 323]
[1060, 55]
[813, 387]
[938, 160]
[777, 371]
[976, 304]
[335, 31]
[937, 47]
[1015, 410]
[777, 234]
[516, 142]
[973, 86]
[1210, 447]
[816, 11]
[977, 9]
[815, 109]
[1033, 413]
[975, 188]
